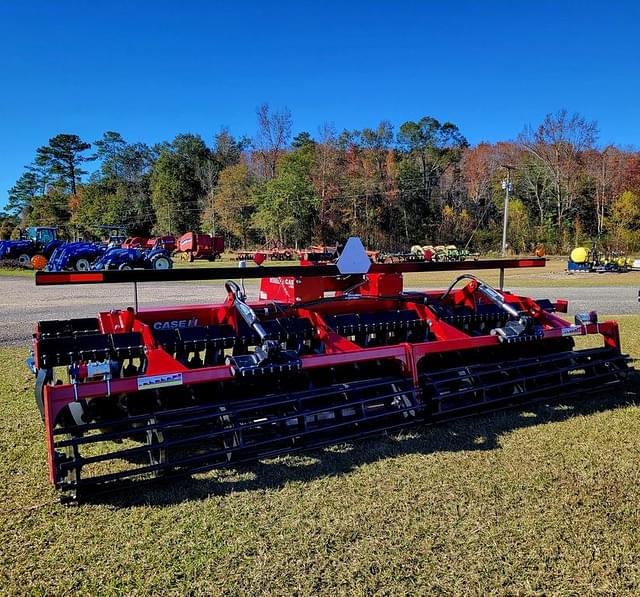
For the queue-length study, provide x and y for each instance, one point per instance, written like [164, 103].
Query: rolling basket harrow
[329, 353]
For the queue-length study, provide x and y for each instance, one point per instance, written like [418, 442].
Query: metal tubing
[292, 271]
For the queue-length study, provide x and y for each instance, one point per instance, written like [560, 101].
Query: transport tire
[124, 267]
[82, 265]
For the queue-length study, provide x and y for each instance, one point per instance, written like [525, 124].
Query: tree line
[420, 184]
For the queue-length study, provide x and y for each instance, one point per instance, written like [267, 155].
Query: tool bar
[276, 271]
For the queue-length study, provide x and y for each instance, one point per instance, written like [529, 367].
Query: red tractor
[192, 246]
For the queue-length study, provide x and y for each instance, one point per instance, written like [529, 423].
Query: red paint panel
[48, 279]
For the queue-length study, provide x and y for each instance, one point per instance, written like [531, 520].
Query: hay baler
[329, 353]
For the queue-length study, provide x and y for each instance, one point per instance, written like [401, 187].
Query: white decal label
[574, 330]
[159, 381]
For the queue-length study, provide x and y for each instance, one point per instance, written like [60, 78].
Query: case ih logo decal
[159, 381]
[174, 324]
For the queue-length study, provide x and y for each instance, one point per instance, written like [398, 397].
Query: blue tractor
[126, 259]
[36, 240]
[76, 256]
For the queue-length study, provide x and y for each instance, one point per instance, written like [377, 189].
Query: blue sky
[153, 69]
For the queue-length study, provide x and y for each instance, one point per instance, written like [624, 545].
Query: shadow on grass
[478, 432]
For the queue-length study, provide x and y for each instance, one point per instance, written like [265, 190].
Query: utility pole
[508, 188]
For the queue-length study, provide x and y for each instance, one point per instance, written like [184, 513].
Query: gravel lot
[22, 303]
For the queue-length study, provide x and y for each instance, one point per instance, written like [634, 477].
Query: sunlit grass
[544, 499]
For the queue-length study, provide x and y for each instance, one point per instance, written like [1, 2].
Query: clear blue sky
[152, 69]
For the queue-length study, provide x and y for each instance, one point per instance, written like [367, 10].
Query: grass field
[15, 272]
[533, 501]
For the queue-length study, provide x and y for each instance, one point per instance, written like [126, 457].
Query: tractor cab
[40, 236]
[116, 235]
[35, 240]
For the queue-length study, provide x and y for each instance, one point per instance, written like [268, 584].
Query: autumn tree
[270, 142]
[606, 169]
[428, 148]
[287, 207]
[369, 189]
[478, 167]
[234, 202]
[421, 185]
[557, 145]
[227, 151]
[624, 221]
[326, 177]
[533, 183]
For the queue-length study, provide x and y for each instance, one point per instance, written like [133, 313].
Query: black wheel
[82, 265]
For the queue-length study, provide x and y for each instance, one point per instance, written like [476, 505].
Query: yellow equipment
[579, 255]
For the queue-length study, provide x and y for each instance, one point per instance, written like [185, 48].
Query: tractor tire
[24, 260]
[161, 263]
[124, 267]
[82, 265]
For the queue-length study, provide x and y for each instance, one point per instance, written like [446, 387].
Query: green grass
[532, 501]
[5, 271]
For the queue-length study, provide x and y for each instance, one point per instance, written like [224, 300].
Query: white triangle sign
[354, 258]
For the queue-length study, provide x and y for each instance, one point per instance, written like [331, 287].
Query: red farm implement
[329, 353]
[192, 246]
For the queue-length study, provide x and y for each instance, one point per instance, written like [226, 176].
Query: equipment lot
[539, 499]
[22, 303]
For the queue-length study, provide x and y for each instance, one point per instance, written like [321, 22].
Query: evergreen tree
[62, 157]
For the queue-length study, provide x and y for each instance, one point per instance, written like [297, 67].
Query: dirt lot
[22, 303]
